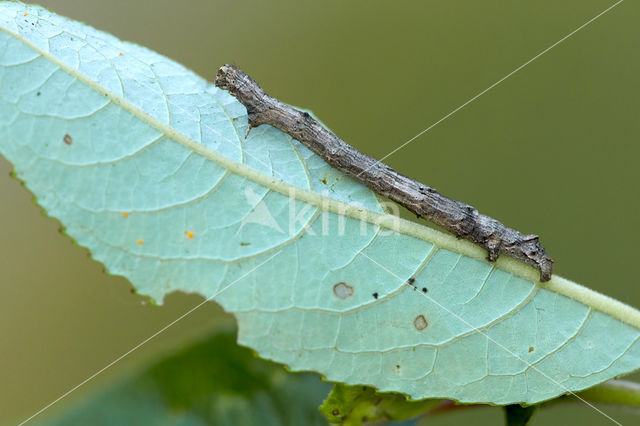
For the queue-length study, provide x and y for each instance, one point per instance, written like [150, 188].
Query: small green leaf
[517, 415]
[356, 405]
[146, 165]
[212, 382]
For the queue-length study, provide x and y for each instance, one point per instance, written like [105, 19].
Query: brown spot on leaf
[420, 323]
[530, 349]
[342, 290]
[411, 280]
[67, 139]
[375, 296]
[336, 412]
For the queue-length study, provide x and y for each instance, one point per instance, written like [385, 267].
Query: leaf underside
[146, 165]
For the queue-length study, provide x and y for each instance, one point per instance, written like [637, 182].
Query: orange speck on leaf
[140, 242]
[189, 234]
[125, 214]
[121, 53]
[25, 14]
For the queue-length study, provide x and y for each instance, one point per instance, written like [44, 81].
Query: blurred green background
[551, 150]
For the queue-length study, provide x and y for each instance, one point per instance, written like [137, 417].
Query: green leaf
[212, 382]
[146, 165]
[517, 415]
[355, 405]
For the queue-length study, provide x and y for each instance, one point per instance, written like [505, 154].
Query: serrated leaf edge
[560, 285]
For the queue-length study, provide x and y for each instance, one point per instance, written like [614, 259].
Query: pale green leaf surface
[154, 141]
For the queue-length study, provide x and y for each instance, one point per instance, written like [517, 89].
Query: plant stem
[615, 392]
[621, 393]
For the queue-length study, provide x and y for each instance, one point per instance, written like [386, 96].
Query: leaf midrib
[595, 300]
